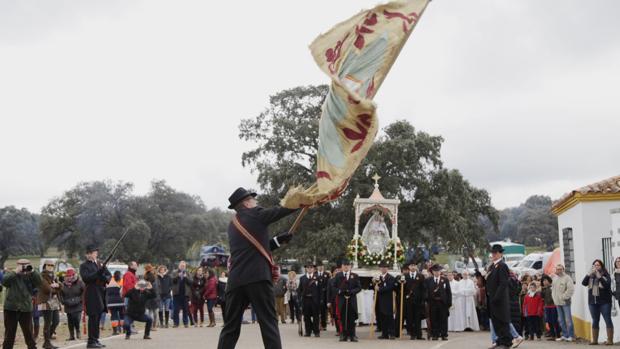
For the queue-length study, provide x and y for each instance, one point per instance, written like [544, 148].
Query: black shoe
[420, 338]
[343, 338]
[127, 336]
[392, 337]
[93, 345]
[307, 335]
[354, 339]
[445, 338]
[382, 337]
[146, 337]
[317, 334]
[434, 338]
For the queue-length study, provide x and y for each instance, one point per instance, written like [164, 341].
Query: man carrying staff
[250, 277]
[498, 297]
[95, 277]
[385, 285]
[310, 293]
[439, 298]
[348, 286]
[415, 295]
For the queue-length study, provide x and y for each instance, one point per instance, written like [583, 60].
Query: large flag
[357, 55]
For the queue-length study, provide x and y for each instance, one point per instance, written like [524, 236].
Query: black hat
[383, 264]
[91, 248]
[239, 195]
[346, 262]
[497, 248]
[310, 264]
[436, 267]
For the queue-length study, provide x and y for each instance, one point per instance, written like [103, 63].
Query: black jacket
[323, 285]
[604, 296]
[385, 295]
[136, 305]
[247, 265]
[498, 291]
[71, 296]
[415, 291]
[309, 289]
[347, 288]
[439, 292]
[95, 279]
[164, 286]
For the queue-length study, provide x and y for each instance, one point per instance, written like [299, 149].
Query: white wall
[590, 221]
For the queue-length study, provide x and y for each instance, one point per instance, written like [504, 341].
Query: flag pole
[300, 216]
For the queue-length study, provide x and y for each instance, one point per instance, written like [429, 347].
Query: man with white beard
[468, 290]
[456, 321]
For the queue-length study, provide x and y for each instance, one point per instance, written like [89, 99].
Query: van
[532, 263]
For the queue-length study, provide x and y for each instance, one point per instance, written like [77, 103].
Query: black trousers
[502, 330]
[414, 319]
[311, 315]
[73, 321]
[348, 315]
[11, 319]
[50, 322]
[93, 328]
[142, 318]
[439, 319]
[260, 295]
[387, 324]
[323, 315]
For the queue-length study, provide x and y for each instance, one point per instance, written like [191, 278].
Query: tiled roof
[609, 186]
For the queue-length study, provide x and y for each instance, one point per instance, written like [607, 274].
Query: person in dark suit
[439, 296]
[385, 285]
[95, 277]
[415, 296]
[498, 297]
[309, 292]
[323, 277]
[348, 286]
[332, 293]
[250, 278]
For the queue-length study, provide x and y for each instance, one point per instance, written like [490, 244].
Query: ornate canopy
[377, 203]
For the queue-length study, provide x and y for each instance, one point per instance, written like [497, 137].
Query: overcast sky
[525, 93]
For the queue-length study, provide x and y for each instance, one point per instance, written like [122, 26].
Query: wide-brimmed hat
[436, 267]
[239, 195]
[384, 265]
[497, 248]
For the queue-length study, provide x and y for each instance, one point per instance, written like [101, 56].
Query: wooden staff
[400, 323]
[300, 216]
[374, 315]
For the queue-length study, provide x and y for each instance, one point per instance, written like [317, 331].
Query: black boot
[161, 318]
[167, 314]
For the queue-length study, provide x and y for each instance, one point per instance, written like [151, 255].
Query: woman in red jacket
[533, 310]
[210, 295]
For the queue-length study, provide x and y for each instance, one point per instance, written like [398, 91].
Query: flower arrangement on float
[365, 258]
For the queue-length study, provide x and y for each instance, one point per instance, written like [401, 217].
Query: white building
[589, 229]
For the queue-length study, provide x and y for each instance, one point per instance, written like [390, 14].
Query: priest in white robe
[467, 289]
[456, 321]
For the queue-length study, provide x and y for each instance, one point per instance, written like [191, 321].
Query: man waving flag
[357, 55]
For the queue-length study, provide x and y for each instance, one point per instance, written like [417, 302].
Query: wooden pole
[373, 318]
[400, 322]
[300, 216]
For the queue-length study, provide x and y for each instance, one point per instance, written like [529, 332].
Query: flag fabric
[357, 54]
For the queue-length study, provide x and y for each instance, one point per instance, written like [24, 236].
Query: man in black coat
[309, 292]
[332, 293]
[415, 296]
[250, 279]
[348, 286]
[498, 297]
[384, 286]
[95, 277]
[439, 296]
[323, 277]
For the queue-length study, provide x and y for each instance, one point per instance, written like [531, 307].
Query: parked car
[532, 263]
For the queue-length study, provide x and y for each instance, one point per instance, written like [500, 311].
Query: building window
[607, 257]
[569, 252]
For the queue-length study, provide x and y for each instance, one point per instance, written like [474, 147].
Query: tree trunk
[3, 259]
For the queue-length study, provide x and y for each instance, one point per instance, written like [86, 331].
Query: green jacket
[18, 294]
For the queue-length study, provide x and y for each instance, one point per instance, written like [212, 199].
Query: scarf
[531, 293]
[595, 286]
